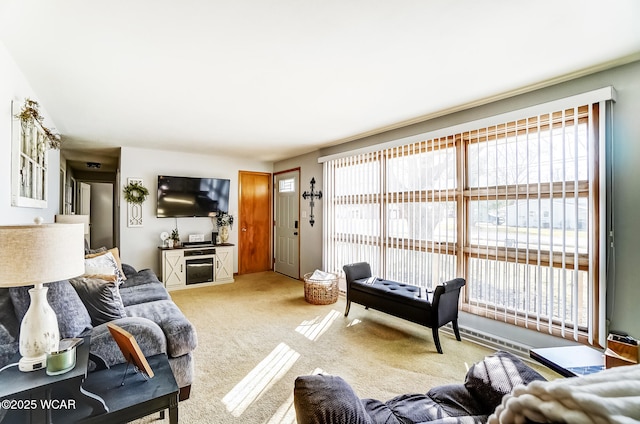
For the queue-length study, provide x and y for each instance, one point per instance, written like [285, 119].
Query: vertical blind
[527, 192]
[513, 208]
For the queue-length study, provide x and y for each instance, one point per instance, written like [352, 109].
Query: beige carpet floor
[256, 335]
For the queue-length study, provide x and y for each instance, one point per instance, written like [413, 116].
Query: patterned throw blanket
[609, 396]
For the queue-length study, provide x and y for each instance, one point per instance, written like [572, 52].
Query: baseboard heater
[491, 341]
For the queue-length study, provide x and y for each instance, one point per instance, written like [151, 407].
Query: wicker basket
[320, 292]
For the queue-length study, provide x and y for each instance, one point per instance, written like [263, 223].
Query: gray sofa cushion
[180, 333]
[9, 324]
[143, 294]
[445, 402]
[73, 318]
[9, 328]
[101, 298]
[142, 287]
[7, 351]
[142, 277]
[380, 412]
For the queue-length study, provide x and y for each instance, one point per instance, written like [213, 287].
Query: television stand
[217, 262]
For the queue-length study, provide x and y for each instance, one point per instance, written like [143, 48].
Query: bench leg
[456, 330]
[436, 339]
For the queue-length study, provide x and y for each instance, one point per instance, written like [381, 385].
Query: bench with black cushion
[404, 300]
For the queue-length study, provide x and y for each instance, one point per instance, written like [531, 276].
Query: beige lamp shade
[32, 254]
[74, 219]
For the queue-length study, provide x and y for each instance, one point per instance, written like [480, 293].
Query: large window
[514, 208]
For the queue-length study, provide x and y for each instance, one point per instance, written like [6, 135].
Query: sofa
[498, 389]
[137, 301]
[327, 399]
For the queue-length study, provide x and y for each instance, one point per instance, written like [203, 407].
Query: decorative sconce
[312, 195]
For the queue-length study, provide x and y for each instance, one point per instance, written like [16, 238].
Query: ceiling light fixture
[94, 165]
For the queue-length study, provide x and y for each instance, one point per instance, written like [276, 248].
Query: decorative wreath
[135, 193]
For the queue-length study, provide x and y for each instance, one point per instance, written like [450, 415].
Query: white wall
[14, 87]
[139, 245]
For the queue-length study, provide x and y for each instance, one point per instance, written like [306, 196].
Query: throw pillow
[73, 318]
[101, 298]
[327, 399]
[96, 264]
[495, 376]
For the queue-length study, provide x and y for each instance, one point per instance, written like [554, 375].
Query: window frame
[597, 249]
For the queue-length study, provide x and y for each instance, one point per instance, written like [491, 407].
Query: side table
[570, 361]
[27, 396]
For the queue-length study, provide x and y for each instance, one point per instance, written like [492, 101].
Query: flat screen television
[191, 197]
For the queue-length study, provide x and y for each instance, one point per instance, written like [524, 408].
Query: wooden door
[255, 223]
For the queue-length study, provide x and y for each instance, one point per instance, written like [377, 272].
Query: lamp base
[33, 363]
[39, 332]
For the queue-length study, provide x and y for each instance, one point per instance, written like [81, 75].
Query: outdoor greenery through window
[512, 208]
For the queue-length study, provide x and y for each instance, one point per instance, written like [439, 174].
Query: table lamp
[33, 255]
[75, 219]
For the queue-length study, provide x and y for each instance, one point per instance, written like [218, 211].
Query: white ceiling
[274, 79]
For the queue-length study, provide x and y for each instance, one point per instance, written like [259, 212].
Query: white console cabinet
[224, 264]
[196, 266]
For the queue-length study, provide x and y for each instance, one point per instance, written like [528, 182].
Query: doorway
[102, 214]
[254, 212]
[96, 200]
[287, 223]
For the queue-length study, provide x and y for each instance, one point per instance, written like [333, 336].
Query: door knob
[244, 230]
[295, 234]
